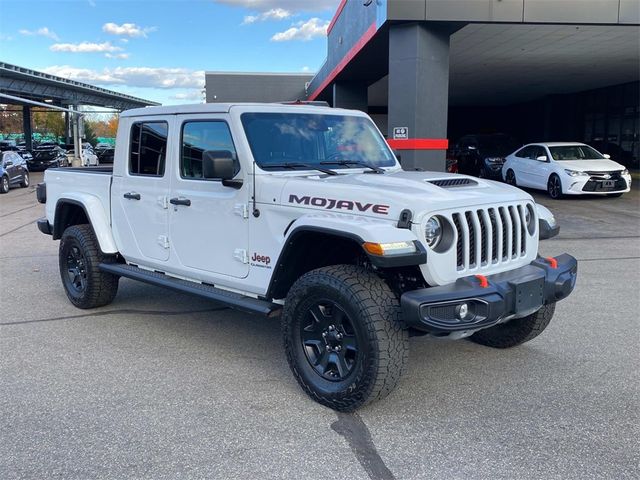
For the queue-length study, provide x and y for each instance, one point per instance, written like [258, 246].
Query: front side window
[201, 136]
[574, 152]
[282, 141]
[148, 148]
[524, 153]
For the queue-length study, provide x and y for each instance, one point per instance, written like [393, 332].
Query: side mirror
[218, 164]
[542, 158]
[606, 155]
[8, 163]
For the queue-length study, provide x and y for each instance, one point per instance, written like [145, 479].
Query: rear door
[209, 225]
[139, 194]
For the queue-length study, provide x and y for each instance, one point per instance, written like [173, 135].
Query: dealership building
[431, 71]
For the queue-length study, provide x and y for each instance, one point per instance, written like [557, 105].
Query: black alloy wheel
[4, 184]
[76, 264]
[329, 340]
[554, 187]
[511, 178]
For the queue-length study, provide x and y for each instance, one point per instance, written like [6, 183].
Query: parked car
[88, 157]
[483, 155]
[11, 146]
[47, 155]
[566, 169]
[105, 155]
[13, 171]
[312, 218]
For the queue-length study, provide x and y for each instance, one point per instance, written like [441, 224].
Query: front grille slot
[490, 236]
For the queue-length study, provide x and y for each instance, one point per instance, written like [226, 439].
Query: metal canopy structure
[40, 86]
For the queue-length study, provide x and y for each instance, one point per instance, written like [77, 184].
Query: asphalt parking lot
[162, 385]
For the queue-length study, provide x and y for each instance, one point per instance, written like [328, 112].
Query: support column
[351, 95]
[419, 93]
[26, 127]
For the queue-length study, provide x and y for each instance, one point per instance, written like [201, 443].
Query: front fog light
[389, 249]
[433, 232]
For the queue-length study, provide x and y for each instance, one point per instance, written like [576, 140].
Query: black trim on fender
[41, 192]
[58, 227]
[546, 230]
[411, 259]
[44, 226]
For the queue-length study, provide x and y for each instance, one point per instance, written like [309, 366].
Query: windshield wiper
[346, 163]
[294, 165]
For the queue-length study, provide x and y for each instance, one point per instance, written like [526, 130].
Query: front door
[209, 225]
[139, 194]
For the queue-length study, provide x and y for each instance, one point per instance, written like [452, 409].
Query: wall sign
[400, 133]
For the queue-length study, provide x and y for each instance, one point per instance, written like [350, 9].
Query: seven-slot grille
[489, 236]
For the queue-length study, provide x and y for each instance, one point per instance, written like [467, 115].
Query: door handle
[180, 201]
[132, 196]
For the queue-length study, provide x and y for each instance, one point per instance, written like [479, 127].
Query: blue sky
[160, 49]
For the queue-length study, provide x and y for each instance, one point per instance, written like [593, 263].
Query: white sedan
[565, 169]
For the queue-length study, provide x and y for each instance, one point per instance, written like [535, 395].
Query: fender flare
[94, 211]
[356, 229]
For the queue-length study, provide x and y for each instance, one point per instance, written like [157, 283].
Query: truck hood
[603, 165]
[386, 195]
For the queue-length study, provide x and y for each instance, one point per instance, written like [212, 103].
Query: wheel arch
[74, 211]
[308, 246]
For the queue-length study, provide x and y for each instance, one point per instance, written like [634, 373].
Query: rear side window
[148, 148]
[199, 136]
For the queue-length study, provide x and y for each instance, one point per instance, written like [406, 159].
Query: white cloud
[193, 95]
[305, 69]
[84, 47]
[145, 77]
[124, 40]
[122, 56]
[273, 14]
[6, 38]
[292, 6]
[42, 32]
[312, 28]
[127, 29]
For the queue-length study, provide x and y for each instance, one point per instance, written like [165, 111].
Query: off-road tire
[4, 184]
[98, 288]
[383, 342]
[25, 180]
[517, 331]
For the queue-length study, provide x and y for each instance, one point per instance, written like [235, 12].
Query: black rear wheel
[79, 256]
[25, 180]
[343, 336]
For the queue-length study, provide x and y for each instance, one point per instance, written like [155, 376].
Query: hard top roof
[215, 108]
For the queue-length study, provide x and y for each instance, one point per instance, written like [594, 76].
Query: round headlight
[433, 232]
[530, 218]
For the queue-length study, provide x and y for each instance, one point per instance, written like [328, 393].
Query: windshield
[574, 152]
[282, 141]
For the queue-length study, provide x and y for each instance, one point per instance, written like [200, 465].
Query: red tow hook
[553, 263]
[484, 283]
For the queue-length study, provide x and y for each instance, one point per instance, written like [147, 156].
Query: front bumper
[472, 304]
[591, 186]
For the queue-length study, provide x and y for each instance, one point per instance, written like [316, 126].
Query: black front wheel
[343, 336]
[511, 178]
[4, 184]
[79, 256]
[554, 187]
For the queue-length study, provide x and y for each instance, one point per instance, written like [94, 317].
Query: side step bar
[231, 299]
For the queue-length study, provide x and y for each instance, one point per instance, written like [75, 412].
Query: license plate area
[608, 184]
[529, 294]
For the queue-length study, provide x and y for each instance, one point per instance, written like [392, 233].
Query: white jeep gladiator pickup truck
[303, 211]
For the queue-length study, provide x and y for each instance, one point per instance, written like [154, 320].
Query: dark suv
[483, 155]
[47, 155]
[13, 171]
